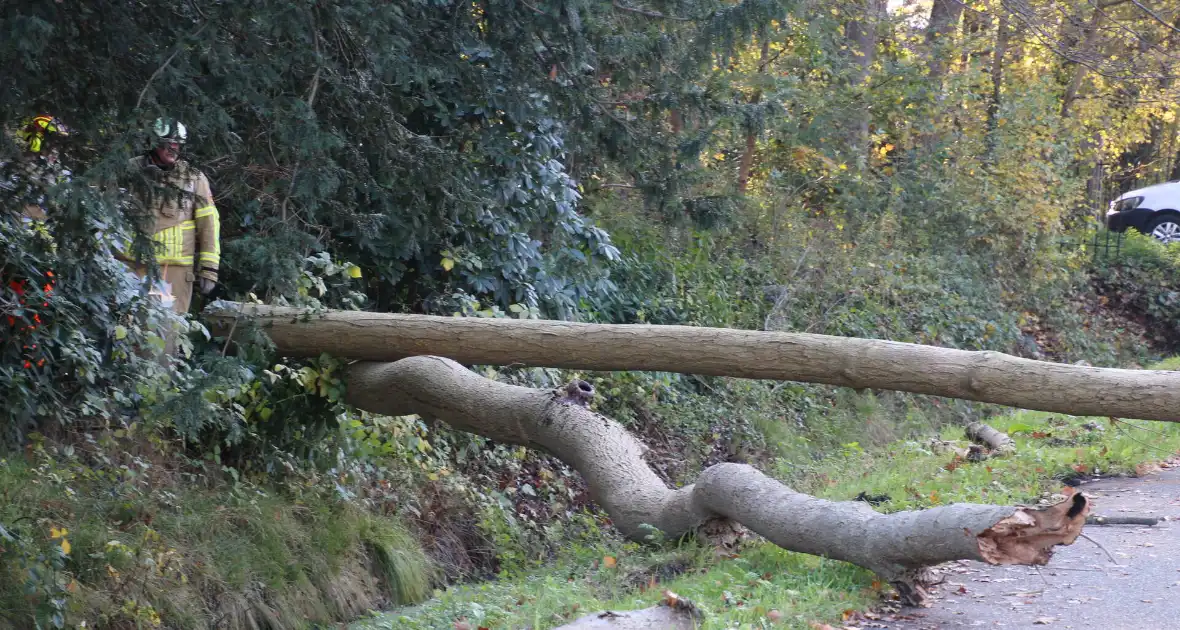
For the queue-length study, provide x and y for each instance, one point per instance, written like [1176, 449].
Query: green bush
[1144, 282]
[79, 337]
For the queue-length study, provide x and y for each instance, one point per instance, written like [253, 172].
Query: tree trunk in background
[1096, 182]
[941, 29]
[897, 547]
[944, 22]
[845, 361]
[993, 108]
[747, 162]
[861, 36]
[1171, 169]
[974, 23]
[1151, 161]
[1095, 179]
[1089, 40]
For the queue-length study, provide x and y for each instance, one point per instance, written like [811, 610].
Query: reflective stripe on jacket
[186, 227]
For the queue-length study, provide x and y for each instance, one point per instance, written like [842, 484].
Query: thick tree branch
[844, 361]
[895, 546]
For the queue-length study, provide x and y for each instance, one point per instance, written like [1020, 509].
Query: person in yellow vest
[38, 168]
[183, 219]
[27, 180]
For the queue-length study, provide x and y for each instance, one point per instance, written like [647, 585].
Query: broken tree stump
[998, 441]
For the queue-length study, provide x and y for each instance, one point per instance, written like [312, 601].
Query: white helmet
[168, 129]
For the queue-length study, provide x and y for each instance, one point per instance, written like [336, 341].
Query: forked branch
[898, 547]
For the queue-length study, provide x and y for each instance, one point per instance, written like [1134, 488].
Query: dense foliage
[930, 172]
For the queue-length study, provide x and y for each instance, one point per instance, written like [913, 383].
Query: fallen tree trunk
[846, 361]
[895, 546]
[997, 441]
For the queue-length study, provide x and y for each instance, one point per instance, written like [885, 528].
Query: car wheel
[1165, 229]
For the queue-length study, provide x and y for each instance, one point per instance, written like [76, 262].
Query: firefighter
[38, 168]
[28, 179]
[182, 218]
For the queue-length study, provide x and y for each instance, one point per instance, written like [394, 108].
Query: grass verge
[121, 544]
[762, 582]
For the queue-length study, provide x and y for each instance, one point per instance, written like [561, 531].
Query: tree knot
[578, 392]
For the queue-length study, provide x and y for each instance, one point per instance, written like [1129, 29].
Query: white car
[1153, 210]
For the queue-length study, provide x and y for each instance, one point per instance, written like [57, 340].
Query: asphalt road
[1080, 588]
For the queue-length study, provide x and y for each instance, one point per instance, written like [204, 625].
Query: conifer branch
[164, 65]
[534, 9]
[647, 12]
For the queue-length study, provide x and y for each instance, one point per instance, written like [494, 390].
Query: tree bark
[861, 35]
[991, 377]
[944, 21]
[1089, 41]
[941, 29]
[898, 547]
[747, 162]
[993, 107]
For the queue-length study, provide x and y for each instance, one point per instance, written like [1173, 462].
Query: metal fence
[1106, 246]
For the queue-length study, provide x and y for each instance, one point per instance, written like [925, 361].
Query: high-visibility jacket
[185, 225]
